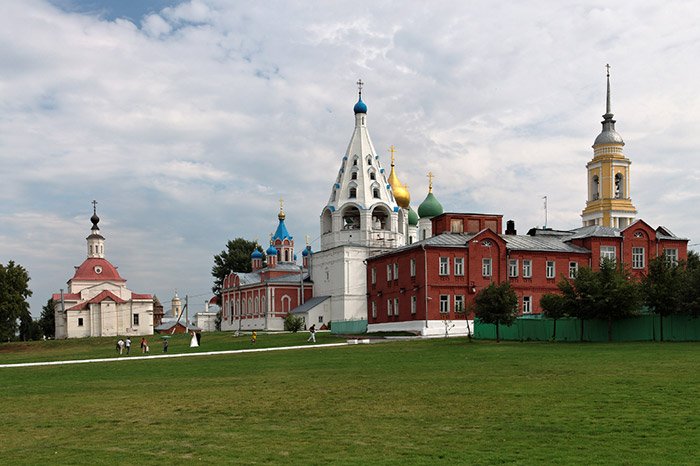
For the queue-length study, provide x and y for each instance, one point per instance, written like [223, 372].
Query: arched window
[353, 193]
[257, 306]
[243, 309]
[619, 186]
[369, 160]
[375, 192]
[286, 255]
[595, 188]
[263, 309]
[250, 305]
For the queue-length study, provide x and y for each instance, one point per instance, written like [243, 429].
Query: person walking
[128, 345]
[253, 338]
[144, 345]
[120, 345]
[165, 346]
[312, 331]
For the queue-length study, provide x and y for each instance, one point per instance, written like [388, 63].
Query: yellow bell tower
[609, 203]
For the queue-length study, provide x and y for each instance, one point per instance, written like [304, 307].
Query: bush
[293, 324]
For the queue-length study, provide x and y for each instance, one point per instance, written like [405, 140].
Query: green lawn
[416, 402]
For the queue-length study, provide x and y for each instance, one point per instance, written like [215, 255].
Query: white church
[97, 302]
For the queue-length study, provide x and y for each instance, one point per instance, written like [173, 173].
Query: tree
[217, 322]
[607, 294]
[235, 258]
[47, 321]
[496, 304]
[293, 323]
[618, 296]
[660, 288]
[14, 291]
[554, 307]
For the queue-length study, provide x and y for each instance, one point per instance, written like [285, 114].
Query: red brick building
[468, 251]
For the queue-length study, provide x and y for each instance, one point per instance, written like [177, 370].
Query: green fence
[349, 326]
[643, 327]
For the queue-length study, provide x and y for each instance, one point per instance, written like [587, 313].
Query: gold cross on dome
[256, 243]
[430, 182]
[271, 235]
[392, 150]
[281, 204]
[307, 240]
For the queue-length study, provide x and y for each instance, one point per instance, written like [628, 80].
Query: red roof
[140, 296]
[86, 271]
[66, 296]
[106, 294]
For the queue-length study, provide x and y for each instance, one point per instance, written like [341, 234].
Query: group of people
[126, 344]
[194, 342]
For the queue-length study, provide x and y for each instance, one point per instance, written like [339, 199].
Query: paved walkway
[176, 355]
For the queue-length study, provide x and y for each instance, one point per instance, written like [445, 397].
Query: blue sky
[188, 121]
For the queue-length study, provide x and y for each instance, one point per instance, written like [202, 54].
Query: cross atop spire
[281, 215]
[430, 182]
[392, 150]
[94, 206]
[359, 86]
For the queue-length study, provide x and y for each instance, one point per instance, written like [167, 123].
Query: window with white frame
[459, 303]
[513, 268]
[320, 319]
[608, 252]
[573, 269]
[396, 270]
[374, 275]
[444, 266]
[396, 306]
[527, 268]
[459, 266]
[550, 271]
[637, 258]
[671, 255]
[374, 310]
[413, 304]
[388, 272]
[388, 307]
[527, 304]
[486, 267]
[444, 304]
[413, 267]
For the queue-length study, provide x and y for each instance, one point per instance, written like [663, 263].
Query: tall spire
[607, 101]
[95, 241]
[608, 135]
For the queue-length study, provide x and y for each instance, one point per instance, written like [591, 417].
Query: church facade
[97, 302]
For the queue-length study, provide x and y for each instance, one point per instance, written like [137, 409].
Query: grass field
[410, 402]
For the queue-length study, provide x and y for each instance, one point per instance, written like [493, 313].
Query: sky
[187, 121]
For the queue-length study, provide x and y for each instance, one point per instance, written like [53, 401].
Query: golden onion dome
[401, 194]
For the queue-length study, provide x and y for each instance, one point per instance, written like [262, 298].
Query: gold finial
[405, 186]
[392, 150]
[256, 243]
[430, 182]
[271, 236]
[307, 240]
[281, 215]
